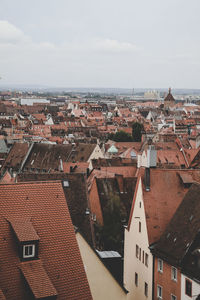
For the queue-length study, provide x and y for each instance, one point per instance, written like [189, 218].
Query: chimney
[61, 165]
[151, 156]
[147, 179]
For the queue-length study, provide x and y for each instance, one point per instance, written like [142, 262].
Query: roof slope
[15, 156]
[165, 195]
[182, 229]
[47, 157]
[44, 204]
[76, 198]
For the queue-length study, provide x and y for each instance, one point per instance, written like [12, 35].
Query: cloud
[113, 46]
[9, 34]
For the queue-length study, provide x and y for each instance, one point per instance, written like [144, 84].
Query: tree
[137, 129]
[110, 236]
[121, 136]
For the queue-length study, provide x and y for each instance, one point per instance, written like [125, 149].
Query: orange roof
[37, 279]
[45, 205]
[160, 203]
[24, 229]
[165, 195]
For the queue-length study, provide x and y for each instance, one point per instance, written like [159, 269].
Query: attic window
[66, 183]
[28, 251]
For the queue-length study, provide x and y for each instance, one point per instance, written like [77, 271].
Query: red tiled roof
[37, 279]
[45, 204]
[23, 229]
[165, 195]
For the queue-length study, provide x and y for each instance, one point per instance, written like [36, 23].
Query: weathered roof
[117, 161]
[47, 157]
[15, 156]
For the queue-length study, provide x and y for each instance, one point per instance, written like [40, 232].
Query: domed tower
[169, 100]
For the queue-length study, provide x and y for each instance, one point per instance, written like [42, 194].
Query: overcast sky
[100, 43]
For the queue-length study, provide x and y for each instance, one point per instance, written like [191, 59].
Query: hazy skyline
[89, 43]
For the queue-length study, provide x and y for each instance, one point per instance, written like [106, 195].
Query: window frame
[29, 255]
[175, 298]
[161, 289]
[187, 280]
[160, 264]
[174, 279]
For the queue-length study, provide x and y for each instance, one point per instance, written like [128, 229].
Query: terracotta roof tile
[45, 204]
[37, 279]
[23, 229]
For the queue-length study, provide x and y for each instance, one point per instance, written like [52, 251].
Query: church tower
[169, 100]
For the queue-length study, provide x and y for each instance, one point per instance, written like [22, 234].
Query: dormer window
[27, 238]
[28, 251]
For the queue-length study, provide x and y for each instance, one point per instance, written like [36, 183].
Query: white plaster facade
[102, 284]
[132, 264]
[195, 288]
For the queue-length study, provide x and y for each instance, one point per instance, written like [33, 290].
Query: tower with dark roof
[169, 100]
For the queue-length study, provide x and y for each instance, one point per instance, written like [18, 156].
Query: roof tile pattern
[45, 205]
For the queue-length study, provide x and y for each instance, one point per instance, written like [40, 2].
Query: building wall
[131, 263]
[164, 279]
[95, 205]
[102, 284]
[97, 153]
[195, 288]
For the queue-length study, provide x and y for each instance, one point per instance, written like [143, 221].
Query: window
[174, 274]
[28, 251]
[140, 226]
[159, 292]
[143, 257]
[188, 287]
[146, 289]
[140, 254]
[173, 297]
[160, 265]
[136, 279]
[146, 259]
[137, 251]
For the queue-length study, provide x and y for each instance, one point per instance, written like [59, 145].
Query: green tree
[111, 234]
[121, 136]
[137, 129]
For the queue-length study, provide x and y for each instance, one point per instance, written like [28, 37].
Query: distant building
[169, 100]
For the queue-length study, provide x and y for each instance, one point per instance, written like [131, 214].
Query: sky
[100, 43]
